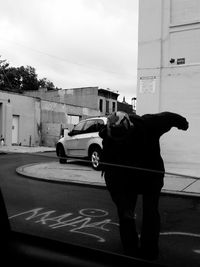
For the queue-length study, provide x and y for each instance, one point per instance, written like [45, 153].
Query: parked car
[82, 142]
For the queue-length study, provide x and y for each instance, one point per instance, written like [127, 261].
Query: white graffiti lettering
[87, 219]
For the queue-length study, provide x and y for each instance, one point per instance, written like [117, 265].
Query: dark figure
[133, 165]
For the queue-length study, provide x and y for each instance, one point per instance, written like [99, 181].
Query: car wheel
[61, 155]
[95, 155]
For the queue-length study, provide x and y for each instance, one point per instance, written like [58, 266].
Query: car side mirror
[71, 133]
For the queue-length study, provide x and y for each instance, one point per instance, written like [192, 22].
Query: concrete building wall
[27, 110]
[169, 70]
[82, 97]
[125, 107]
[64, 108]
[85, 98]
[149, 56]
[44, 113]
[39, 121]
[56, 116]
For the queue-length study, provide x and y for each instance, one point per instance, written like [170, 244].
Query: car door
[71, 141]
[89, 136]
[88, 132]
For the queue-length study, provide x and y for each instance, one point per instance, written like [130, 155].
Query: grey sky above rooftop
[74, 43]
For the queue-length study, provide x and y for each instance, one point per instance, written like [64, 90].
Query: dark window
[99, 124]
[107, 106]
[113, 106]
[78, 128]
[101, 105]
[90, 127]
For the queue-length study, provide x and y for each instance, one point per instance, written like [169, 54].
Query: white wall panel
[184, 11]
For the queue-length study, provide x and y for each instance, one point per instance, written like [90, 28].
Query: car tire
[95, 155]
[61, 155]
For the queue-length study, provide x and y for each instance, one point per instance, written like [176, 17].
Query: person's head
[118, 124]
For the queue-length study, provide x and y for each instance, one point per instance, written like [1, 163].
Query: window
[100, 124]
[93, 126]
[78, 128]
[72, 119]
[90, 126]
[101, 105]
[69, 202]
[107, 106]
[113, 106]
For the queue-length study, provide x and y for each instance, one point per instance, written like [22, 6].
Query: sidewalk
[25, 149]
[174, 184]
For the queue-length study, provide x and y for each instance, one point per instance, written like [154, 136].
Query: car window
[78, 128]
[99, 124]
[90, 126]
[84, 46]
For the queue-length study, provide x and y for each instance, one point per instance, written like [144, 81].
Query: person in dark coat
[132, 165]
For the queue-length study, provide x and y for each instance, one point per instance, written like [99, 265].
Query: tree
[13, 78]
[4, 81]
[29, 79]
[45, 83]
[21, 79]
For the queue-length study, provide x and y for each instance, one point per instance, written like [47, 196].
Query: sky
[74, 43]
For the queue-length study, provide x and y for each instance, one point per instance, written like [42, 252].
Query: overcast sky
[74, 43]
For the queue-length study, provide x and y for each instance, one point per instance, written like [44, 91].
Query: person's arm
[103, 132]
[161, 123]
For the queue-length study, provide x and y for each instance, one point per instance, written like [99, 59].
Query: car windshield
[78, 128]
[70, 203]
[70, 69]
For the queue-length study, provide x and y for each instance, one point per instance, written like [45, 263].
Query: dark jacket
[120, 156]
[140, 149]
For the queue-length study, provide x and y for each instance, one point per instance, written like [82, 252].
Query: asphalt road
[86, 215]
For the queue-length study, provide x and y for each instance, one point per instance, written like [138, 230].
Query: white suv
[82, 142]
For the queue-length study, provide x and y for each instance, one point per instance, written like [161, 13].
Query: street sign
[180, 61]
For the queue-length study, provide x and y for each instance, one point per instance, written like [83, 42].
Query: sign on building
[147, 84]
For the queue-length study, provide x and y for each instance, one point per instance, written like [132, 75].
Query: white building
[39, 117]
[19, 119]
[169, 73]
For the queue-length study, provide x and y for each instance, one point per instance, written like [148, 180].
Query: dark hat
[118, 123]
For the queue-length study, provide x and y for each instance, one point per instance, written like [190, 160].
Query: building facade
[33, 121]
[107, 101]
[82, 97]
[39, 117]
[19, 119]
[104, 101]
[169, 71]
[125, 107]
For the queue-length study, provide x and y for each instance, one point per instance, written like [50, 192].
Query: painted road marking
[87, 219]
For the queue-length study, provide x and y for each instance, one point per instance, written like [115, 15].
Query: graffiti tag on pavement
[87, 219]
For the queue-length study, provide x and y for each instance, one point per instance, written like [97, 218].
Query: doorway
[1, 119]
[15, 130]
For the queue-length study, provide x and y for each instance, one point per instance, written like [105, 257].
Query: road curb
[179, 193]
[21, 171]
